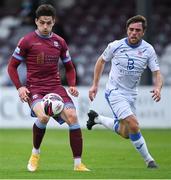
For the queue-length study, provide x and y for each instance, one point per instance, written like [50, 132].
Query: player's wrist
[158, 88]
[18, 86]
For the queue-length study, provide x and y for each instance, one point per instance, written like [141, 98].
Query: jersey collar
[133, 45]
[44, 36]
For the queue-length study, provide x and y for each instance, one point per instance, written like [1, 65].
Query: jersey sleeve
[65, 55]
[107, 55]
[21, 49]
[109, 52]
[153, 63]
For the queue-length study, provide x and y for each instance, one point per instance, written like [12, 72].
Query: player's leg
[138, 140]
[39, 129]
[123, 129]
[115, 125]
[119, 107]
[40, 124]
[123, 108]
[95, 118]
[76, 141]
[127, 128]
[75, 136]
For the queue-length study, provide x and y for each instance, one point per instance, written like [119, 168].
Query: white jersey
[128, 63]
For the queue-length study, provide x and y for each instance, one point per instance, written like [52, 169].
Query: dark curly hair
[46, 10]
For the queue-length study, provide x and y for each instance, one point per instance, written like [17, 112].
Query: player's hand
[73, 91]
[93, 92]
[23, 94]
[156, 95]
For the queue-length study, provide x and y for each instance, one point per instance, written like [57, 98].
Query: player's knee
[72, 117]
[39, 112]
[43, 119]
[133, 126]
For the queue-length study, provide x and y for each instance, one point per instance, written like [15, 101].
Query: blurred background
[87, 27]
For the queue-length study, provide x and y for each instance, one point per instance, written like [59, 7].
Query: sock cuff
[35, 151]
[135, 137]
[40, 125]
[74, 126]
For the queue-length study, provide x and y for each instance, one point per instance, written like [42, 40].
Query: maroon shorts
[36, 96]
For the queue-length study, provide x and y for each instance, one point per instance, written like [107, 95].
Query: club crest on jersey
[140, 53]
[56, 44]
[35, 96]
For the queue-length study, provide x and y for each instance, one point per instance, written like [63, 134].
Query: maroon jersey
[41, 55]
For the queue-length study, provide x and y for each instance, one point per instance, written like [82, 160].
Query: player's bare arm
[99, 66]
[156, 92]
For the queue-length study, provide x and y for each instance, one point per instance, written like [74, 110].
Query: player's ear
[143, 32]
[36, 20]
[54, 21]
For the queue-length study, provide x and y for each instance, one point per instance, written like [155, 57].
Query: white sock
[141, 147]
[35, 151]
[77, 161]
[105, 121]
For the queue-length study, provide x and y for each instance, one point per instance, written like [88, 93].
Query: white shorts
[122, 105]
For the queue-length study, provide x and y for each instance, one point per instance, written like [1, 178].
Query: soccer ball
[53, 104]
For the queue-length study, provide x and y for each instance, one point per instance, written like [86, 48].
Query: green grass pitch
[106, 154]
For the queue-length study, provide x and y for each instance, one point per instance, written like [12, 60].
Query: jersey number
[130, 64]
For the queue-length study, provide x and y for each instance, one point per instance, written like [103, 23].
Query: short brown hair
[135, 19]
[46, 10]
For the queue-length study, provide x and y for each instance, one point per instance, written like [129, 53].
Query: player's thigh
[39, 112]
[69, 116]
[120, 105]
[63, 93]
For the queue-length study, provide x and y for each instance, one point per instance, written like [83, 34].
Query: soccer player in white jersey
[129, 57]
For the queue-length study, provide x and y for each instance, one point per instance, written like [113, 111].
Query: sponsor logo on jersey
[40, 58]
[127, 72]
[56, 44]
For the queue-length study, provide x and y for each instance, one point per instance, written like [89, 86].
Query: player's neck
[133, 45]
[43, 36]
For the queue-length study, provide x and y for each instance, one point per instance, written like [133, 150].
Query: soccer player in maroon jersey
[40, 51]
